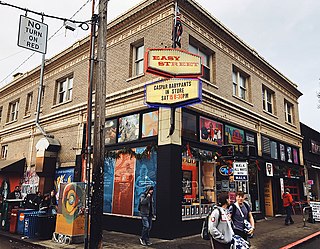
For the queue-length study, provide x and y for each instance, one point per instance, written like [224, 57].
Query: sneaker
[148, 243]
[142, 242]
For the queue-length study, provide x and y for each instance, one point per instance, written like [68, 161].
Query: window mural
[111, 131]
[128, 128]
[282, 153]
[125, 179]
[150, 124]
[211, 131]
[234, 135]
[295, 156]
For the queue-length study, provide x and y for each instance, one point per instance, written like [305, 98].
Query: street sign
[33, 34]
[240, 171]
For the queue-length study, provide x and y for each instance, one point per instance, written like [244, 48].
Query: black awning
[16, 165]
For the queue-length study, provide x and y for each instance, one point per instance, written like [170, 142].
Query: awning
[16, 165]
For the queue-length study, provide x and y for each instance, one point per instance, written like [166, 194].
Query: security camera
[70, 25]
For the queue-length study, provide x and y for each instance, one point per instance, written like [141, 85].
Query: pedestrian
[287, 204]
[16, 193]
[146, 208]
[242, 218]
[220, 227]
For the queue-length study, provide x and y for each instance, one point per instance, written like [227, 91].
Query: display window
[198, 185]
[125, 178]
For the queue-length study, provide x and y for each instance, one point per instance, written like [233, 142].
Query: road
[312, 244]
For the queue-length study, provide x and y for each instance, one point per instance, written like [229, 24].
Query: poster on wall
[123, 185]
[111, 131]
[211, 131]
[128, 128]
[145, 175]
[63, 175]
[189, 167]
[289, 154]
[269, 169]
[234, 135]
[109, 164]
[150, 124]
[295, 156]
[282, 153]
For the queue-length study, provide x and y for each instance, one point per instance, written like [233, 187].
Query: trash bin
[21, 219]
[31, 223]
[13, 220]
[46, 226]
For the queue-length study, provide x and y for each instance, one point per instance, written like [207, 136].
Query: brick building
[245, 100]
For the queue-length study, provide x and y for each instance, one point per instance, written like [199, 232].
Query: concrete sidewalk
[270, 233]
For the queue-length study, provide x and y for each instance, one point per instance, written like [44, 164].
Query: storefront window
[198, 184]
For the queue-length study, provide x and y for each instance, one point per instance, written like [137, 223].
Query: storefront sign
[173, 92]
[173, 63]
[268, 197]
[240, 171]
[315, 147]
[310, 182]
[315, 210]
[269, 169]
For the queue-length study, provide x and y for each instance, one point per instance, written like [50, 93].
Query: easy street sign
[33, 34]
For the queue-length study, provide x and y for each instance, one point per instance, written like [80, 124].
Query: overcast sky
[285, 32]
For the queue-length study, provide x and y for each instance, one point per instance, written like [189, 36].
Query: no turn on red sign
[33, 34]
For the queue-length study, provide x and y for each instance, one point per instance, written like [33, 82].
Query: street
[312, 244]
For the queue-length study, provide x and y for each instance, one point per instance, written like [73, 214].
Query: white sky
[285, 32]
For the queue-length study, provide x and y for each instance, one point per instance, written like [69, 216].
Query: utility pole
[99, 131]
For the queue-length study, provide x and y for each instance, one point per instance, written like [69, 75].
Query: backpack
[205, 225]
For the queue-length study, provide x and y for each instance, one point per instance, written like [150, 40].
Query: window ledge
[291, 124]
[209, 83]
[135, 77]
[27, 116]
[271, 114]
[11, 122]
[243, 100]
[62, 103]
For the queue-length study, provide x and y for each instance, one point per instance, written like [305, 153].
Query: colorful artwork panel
[128, 128]
[150, 124]
[111, 131]
[211, 131]
[234, 135]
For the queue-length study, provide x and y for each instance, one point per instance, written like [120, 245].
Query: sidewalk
[270, 233]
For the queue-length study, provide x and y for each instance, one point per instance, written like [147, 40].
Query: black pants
[288, 212]
[217, 245]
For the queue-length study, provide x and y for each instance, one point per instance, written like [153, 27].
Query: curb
[299, 242]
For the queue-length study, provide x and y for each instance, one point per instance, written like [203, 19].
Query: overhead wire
[64, 19]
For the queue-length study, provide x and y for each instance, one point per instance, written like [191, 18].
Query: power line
[43, 14]
[22, 63]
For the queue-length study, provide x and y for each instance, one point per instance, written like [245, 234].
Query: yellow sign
[268, 197]
[173, 63]
[173, 92]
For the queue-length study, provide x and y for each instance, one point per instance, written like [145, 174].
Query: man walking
[243, 222]
[287, 204]
[146, 208]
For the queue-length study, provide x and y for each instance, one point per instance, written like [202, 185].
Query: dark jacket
[146, 204]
